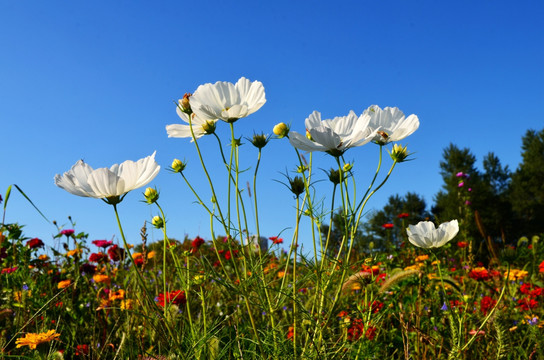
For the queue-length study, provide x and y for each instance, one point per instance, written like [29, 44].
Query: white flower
[109, 184]
[334, 136]
[426, 235]
[394, 126]
[228, 101]
[200, 127]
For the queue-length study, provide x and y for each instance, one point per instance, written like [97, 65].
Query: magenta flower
[461, 184]
[459, 174]
[67, 232]
[103, 243]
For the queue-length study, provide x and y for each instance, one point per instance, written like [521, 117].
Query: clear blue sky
[97, 80]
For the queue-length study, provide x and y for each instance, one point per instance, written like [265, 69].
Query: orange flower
[64, 284]
[32, 340]
[74, 252]
[99, 278]
[118, 295]
[422, 258]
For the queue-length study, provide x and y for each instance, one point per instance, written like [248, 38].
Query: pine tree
[527, 187]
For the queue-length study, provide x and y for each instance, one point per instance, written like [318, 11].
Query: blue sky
[97, 81]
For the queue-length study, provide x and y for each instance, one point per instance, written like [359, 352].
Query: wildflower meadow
[446, 286]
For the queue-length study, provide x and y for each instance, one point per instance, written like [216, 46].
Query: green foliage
[527, 187]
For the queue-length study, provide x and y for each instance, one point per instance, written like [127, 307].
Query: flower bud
[184, 103]
[399, 153]
[151, 195]
[157, 222]
[259, 140]
[281, 130]
[209, 127]
[347, 167]
[334, 176]
[296, 185]
[178, 165]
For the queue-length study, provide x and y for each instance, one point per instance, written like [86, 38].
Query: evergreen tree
[386, 228]
[527, 187]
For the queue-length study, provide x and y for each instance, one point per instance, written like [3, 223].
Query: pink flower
[103, 243]
[461, 184]
[459, 174]
[68, 232]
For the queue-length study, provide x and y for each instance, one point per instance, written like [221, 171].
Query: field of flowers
[241, 295]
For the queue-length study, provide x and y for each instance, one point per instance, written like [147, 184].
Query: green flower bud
[399, 153]
[178, 165]
[157, 222]
[296, 185]
[259, 140]
[151, 195]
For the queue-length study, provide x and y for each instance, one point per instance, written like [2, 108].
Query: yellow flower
[422, 258]
[516, 274]
[43, 257]
[435, 262]
[126, 304]
[99, 278]
[137, 255]
[151, 254]
[281, 274]
[32, 340]
[415, 266]
[64, 284]
[281, 130]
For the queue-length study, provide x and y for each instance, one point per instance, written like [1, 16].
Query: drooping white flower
[227, 101]
[201, 127]
[111, 183]
[426, 235]
[334, 136]
[394, 126]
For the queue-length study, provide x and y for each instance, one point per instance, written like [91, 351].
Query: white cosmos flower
[200, 127]
[334, 136]
[426, 235]
[111, 183]
[394, 125]
[227, 101]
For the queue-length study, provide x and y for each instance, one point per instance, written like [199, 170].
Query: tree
[527, 186]
[387, 227]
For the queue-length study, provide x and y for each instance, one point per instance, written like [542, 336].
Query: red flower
[276, 240]
[82, 350]
[356, 329]
[486, 304]
[98, 257]
[370, 333]
[175, 297]
[375, 306]
[462, 244]
[197, 243]
[479, 273]
[116, 253]
[388, 226]
[88, 268]
[290, 333]
[527, 304]
[34, 243]
[9, 270]
[103, 243]
[541, 267]
[67, 232]
[403, 215]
